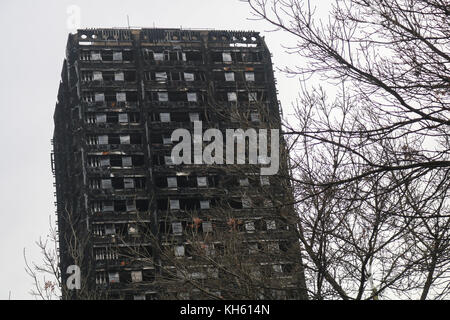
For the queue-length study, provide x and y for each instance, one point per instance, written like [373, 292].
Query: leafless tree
[47, 277]
[371, 165]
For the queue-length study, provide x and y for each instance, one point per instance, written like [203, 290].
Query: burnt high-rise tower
[140, 227]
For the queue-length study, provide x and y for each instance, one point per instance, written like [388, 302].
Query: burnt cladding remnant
[140, 227]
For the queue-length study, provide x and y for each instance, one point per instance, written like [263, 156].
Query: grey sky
[33, 48]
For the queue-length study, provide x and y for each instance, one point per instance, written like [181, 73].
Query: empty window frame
[250, 226]
[113, 277]
[265, 181]
[179, 251]
[164, 117]
[188, 76]
[106, 184]
[167, 140]
[158, 56]
[96, 56]
[119, 76]
[97, 76]
[168, 160]
[125, 139]
[273, 246]
[136, 276]
[104, 162]
[99, 97]
[229, 76]
[271, 225]
[192, 96]
[226, 57]
[204, 204]
[172, 182]
[254, 117]
[277, 268]
[252, 96]
[160, 76]
[232, 96]
[128, 183]
[253, 248]
[123, 118]
[177, 228]
[249, 76]
[121, 97]
[130, 205]
[100, 118]
[117, 56]
[207, 226]
[127, 161]
[202, 182]
[246, 202]
[105, 139]
[163, 96]
[110, 229]
[174, 204]
[244, 182]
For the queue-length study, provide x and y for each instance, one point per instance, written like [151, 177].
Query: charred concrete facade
[126, 214]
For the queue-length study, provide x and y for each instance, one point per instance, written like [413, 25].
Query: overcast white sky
[33, 48]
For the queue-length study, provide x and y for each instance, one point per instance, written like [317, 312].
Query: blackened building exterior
[139, 226]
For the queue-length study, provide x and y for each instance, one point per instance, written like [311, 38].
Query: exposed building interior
[139, 226]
